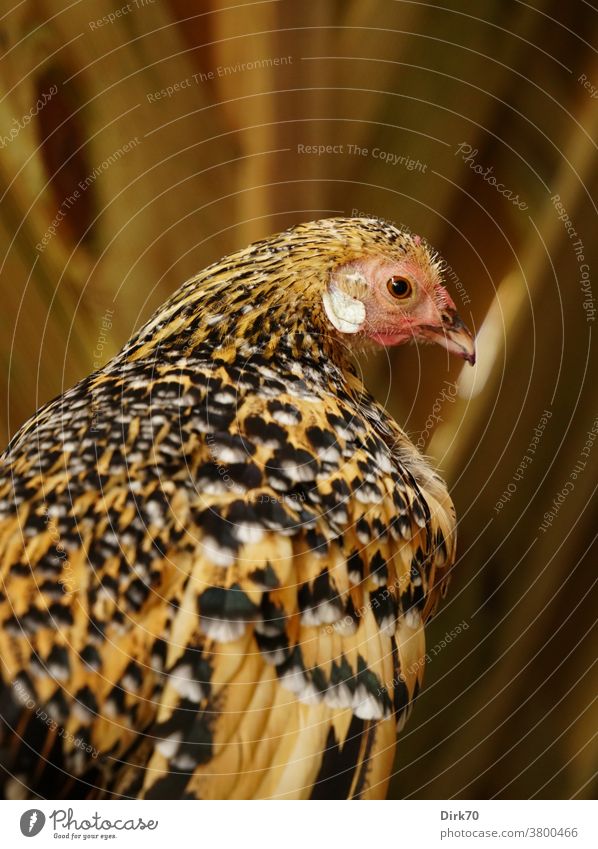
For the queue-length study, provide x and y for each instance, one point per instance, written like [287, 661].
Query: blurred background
[139, 142]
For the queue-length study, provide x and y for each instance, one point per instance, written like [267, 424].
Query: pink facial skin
[426, 313]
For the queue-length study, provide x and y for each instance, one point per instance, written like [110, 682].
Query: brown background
[509, 706]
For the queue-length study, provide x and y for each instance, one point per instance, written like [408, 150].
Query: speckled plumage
[218, 552]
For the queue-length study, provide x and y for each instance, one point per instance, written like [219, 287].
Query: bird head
[336, 284]
[391, 292]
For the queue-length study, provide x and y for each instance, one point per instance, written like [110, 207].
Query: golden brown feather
[218, 553]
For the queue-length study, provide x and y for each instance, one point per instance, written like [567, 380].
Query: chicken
[218, 552]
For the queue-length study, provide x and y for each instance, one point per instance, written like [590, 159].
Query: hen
[218, 552]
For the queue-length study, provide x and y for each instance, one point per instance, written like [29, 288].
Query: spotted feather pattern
[218, 553]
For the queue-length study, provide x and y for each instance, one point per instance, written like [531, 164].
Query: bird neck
[235, 309]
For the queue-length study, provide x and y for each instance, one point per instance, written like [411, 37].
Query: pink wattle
[387, 339]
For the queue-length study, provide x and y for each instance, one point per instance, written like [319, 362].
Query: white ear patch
[345, 313]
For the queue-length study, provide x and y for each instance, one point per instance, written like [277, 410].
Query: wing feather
[212, 587]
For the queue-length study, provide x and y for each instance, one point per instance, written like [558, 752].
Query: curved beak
[453, 335]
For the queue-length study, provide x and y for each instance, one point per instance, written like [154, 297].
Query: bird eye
[399, 287]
